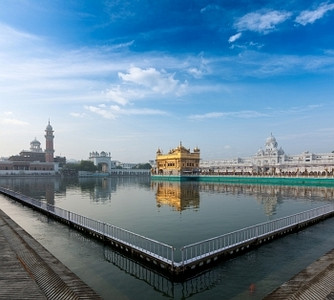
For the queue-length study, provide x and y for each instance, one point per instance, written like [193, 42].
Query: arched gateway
[102, 160]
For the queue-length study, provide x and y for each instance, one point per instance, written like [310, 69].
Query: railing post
[182, 256]
[172, 258]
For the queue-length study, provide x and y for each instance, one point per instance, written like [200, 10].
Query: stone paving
[29, 271]
[316, 282]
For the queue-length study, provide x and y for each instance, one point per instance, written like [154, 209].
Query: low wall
[273, 180]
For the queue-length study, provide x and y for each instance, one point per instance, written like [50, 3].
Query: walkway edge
[316, 282]
[52, 276]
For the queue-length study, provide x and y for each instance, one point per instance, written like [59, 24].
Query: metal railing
[190, 253]
[156, 249]
[198, 251]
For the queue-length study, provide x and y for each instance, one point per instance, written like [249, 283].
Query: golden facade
[178, 161]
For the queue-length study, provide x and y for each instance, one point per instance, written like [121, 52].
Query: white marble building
[273, 161]
[103, 159]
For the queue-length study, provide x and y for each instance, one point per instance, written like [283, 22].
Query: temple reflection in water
[178, 195]
[186, 195]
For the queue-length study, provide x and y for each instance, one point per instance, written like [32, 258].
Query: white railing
[190, 253]
[156, 249]
[200, 250]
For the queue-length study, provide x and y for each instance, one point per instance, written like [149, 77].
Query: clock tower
[49, 143]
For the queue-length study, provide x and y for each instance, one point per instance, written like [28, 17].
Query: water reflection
[163, 285]
[98, 191]
[186, 195]
[178, 195]
[270, 196]
[35, 187]
[209, 209]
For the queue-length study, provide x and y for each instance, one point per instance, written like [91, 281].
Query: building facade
[272, 160]
[34, 161]
[102, 159]
[177, 161]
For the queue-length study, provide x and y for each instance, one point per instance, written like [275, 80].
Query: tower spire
[49, 150]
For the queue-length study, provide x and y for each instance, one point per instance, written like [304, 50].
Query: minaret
[49, 143]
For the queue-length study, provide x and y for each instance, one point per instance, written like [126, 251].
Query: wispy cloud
[245, 114]
[8, 118]
[235, 37]
[11, 37]
[117, 95]
[102, 111]
[310, 16]
[300, 109]
[78, 115]
[195, 72]
[257, 64]
[209, 8]
[13, 121]
[248, 114]
[262, 22]
[113, 111]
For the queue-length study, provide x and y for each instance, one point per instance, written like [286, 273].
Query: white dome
[35, 146]
[35, 142]
[271, 142]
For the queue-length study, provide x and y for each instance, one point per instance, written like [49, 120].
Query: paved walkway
[29, 271]
[316, 282]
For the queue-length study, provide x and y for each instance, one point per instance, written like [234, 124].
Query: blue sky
[128, 77]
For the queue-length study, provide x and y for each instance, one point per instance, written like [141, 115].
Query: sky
[129, 77]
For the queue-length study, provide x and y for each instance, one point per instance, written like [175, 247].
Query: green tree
[146, 166]
[87, 165]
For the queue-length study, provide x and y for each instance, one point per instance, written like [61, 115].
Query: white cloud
[245, 114]
[211, 115]
[117, 95]
[143, 111]
[12, 121]
[197, 66]
[8, 118]
[233, 38]
[310, 16]
[123, 45]
[210, 7]
[261, 22]
[102, 111]
[301, 109]
[195, 72]
[158, 82]
[249, 114]
[78, 115]
[114, 111]
[11, 37]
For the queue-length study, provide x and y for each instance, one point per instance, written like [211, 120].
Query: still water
[177, 214]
